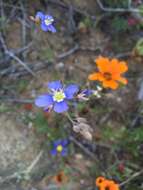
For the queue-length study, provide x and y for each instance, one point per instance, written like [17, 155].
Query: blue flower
[57, 97]
[46, 22]
[60, 146]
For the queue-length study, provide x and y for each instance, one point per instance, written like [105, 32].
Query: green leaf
[41, 123]
[120, 24]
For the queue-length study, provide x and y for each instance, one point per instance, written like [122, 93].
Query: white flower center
[59, 96]
[48, 21]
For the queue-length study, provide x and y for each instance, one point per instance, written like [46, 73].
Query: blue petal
[51, 28]
[64, 142]
[57, 142]
[60, 107]
[55, 85]
[87, 92]
[71, 90]
[44, 27]
[53, 152]
[64, 152]
[44, 100]
[40, 15]
[49, 17]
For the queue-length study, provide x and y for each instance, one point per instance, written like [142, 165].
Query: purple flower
[46, 22]
[85, 94]
[60, 146]
[58, 96]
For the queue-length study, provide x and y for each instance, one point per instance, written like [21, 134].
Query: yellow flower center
[48, 21]
[59, 148]
[58, 96]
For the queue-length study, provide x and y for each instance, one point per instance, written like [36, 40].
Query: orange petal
[123, 66]
[99, 181]
[114, 66]
[60, 178]
[103, 64]
[104, 185]
[118, 67]
[96, 76]
[110, 84]
[112, 185]
[122, 80]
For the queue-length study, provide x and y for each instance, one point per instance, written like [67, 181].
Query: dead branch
[13, 56]
[69, 52]
[64, 5]
[24, 172]
[132, 177]
[129, 9]
[77, 143]
[15, 100]
[75, 49]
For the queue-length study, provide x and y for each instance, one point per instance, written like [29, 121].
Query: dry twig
[13, 56]
[132, 177]
[16, 100]
[61, 4]
[24, 172]
[129, 9]
[75, 49]
[83, 148]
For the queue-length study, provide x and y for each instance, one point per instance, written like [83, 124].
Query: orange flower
[28, 107]
[60, 178]
[99, 181]
[105, 184]
[113, 186]
[109, 72]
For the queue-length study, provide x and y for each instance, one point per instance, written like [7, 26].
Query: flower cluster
[104, 184]
[59, 96]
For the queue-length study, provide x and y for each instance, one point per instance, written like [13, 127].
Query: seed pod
[81, 120]
[83, 128]
[76, 128]
[87, 135]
